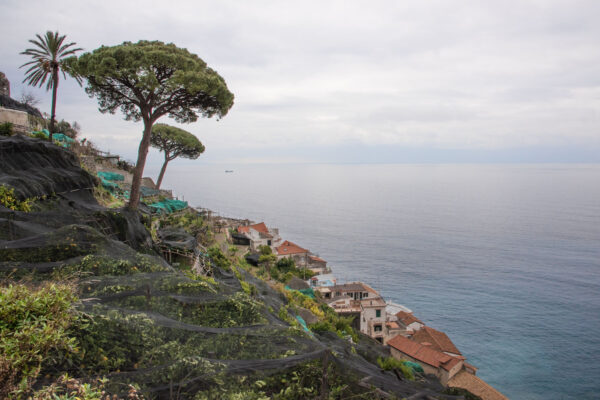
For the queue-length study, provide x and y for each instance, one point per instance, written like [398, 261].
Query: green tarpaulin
[414, 366]
[168, 206]
[111, 176]
[63, 139]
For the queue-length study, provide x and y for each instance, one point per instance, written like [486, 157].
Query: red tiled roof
[439, 340]
[471, 366]
[261, 228]
[408, 318]
[288, 248]
[475, 385]
[422, 353]
[315, 258]
[392, 325]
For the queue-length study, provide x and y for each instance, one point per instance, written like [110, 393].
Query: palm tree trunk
[136, 183]
[162, 171]
[53, 112]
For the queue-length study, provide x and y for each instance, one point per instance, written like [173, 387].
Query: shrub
[39, 135]
[219, 258]
[391, 363]
[6, 129]
[264, 250]
[9, 200]
[33, 322]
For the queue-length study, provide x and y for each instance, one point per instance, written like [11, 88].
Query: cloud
[437, 74]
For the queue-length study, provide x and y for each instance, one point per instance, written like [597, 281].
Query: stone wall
[19, 119]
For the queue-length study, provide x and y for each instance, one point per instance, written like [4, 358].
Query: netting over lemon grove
[171, 333]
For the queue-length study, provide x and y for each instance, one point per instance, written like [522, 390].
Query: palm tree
[47, 59]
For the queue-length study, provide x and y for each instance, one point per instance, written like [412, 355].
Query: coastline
[466, 379]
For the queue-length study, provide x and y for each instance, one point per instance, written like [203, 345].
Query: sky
[351, 81]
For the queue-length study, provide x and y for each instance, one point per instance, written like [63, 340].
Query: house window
[365, 295]
[377, 328]
[377, 313]
[268, 242]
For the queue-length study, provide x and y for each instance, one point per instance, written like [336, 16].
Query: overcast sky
[349, 81]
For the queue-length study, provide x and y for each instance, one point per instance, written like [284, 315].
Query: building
[373, 318]
[392, 329]
[434, 362]
[323, 284]
[465, 380]
[317, 265]
[393, 308]
[291, 250]
[436, 340]
[257, 235]
[355, 290]
[362, 301]
[408, 322]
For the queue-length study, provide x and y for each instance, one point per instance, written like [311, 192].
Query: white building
[260, 235]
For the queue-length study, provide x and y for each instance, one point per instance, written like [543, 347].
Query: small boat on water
[228, 171]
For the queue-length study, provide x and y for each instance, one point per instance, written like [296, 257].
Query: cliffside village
[389, 323]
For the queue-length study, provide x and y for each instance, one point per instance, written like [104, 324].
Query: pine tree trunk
[53, 112]
[136, 183]
[162, 171]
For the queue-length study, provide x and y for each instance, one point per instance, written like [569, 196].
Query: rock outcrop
[4, 85]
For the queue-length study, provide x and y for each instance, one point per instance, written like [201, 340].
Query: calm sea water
[503, 258]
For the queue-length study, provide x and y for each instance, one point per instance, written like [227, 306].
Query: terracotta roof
[288, 248]
[475, 385]
[315, 258]
[471, 366]
[261, 228]
[422, 353]
[408, 318]
[392, 325]
[439, 340]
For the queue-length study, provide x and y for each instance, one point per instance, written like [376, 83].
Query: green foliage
[67, 388]
[70, 390]
[174, 142]
[264, 250]
[219, 258]
[6, 129]
[285, 269]
[9, 200]
[286, 264]
[391, 363]
[99, 265]
[33, 322]
[304, 381]
[106, 198]
[333, 322]
[191, 222]
[111, 341]
[39, 135]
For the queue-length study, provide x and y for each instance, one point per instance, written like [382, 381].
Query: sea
[505, 259]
